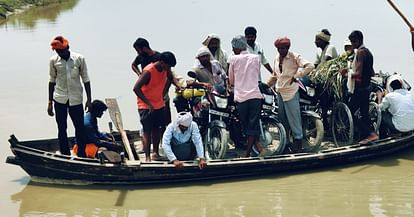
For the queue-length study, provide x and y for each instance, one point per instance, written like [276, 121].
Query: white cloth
[67, 75]
[401, 106]
[203, 51]
[321, 55]
[350, 84]
[184, 119]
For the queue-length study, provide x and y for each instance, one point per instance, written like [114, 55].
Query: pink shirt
[244, 74]
[293, 66]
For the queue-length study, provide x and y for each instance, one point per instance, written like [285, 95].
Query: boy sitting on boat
[182, 141]
[96, 140]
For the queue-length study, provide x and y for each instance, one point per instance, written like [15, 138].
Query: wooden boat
[40, 160]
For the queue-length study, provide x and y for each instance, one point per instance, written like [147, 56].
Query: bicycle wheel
[342, 125]
[375, 116]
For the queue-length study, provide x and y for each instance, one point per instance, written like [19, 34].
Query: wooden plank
[399, 12]
[116, 117]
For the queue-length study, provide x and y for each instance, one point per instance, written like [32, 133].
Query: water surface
[104, 31]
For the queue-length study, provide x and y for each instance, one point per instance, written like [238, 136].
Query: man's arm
[358, 65]
[135, 68]
[142, 80]
[51, 87]
[88, 105]
[305, 65]
[166, 143]
[50, 101]
[268, 67]
[196, 138]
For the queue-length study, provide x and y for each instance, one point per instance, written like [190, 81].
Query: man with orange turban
[288, 67]
[66, 69]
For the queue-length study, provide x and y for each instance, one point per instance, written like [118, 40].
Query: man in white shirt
[182, 141]
[398, 109]
[250, 33]
[66, 69]
[326, 51]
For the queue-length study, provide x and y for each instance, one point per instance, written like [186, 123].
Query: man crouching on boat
[182, 141]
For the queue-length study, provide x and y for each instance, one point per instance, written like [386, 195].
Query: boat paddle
[115, 115]
[400, 13]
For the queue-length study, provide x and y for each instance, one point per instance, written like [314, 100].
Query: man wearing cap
[182, 141]
[253, 47]
[288, 67]
[326, 51]
[149, 89]
[244, 76]
[209, 72]
[66, 70]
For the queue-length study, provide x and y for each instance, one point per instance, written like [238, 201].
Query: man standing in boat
[149, 90]
[254, 48]
[145, 55]
[244, 76]
[66, 69]
[182, 141]
[363, 72]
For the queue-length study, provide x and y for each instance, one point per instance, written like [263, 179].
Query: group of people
[238, 74]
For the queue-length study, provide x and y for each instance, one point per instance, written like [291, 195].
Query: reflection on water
[357, 190]
[29, 18]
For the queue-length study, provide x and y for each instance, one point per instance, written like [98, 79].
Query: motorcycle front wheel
[217, 143]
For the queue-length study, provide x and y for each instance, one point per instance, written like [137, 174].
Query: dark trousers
[386, 122]
[76, 114]
[360, 100]
[183, 151]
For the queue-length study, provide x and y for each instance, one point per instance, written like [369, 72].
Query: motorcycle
[210, 112]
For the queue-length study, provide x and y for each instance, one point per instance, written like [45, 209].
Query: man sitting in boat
[182, 141]
[397, 109]
[96, 140]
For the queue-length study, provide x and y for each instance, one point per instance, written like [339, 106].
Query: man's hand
[202, 163]
[88, 106]
[178, 164]
[50, 109]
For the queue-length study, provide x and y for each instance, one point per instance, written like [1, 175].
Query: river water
[104, 31]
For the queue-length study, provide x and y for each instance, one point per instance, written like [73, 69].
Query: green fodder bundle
[329, 77]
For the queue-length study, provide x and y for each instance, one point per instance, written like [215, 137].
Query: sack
[109, 156]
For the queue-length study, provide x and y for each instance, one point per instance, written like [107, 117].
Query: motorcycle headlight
[311, 91]
[268, 99]
[221, 102]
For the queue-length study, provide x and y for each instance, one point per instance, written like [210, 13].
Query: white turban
[202, 52]
[347, 42]
[184, 119]
[323, 36]
[206, 42]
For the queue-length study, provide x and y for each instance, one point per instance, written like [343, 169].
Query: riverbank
[8, 7]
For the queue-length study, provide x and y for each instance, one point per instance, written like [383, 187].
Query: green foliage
[9, 6]
[329, 77]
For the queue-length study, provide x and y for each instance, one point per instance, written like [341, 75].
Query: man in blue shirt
[182, 141]
[93, 135]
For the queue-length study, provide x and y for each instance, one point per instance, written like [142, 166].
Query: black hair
[141, 43]
[98, 106]
[326, 31]
[250, 30]
[356, 34]
[396, 84]
[168, 58]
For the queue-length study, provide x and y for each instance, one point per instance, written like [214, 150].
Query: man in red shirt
[150, 89]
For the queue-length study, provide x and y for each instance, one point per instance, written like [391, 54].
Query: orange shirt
[153, 91]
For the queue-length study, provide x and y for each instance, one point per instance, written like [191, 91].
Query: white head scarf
[202, 52]
[184, 119]
[323, 36]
